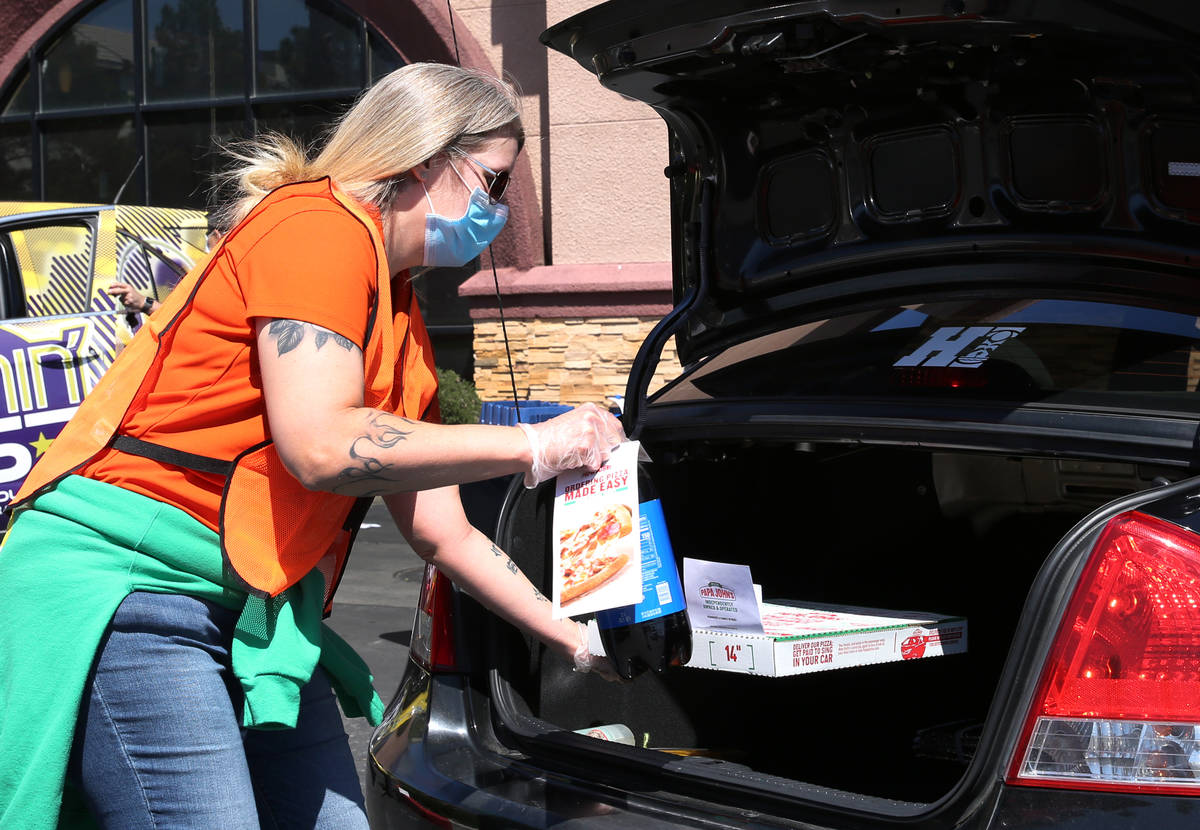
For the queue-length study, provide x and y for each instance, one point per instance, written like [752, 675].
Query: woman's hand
[130, 297]
[579, 439]
[435, 525]
[585, 661]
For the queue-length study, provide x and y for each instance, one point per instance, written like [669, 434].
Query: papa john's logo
[715, 590]
[913, 647]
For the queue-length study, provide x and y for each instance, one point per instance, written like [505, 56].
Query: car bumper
[433, 765]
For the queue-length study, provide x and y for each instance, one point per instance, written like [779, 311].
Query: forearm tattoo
[508, 563]
[382, 432]
[289, 334]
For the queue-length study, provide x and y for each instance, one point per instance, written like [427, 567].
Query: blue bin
[504, 413]
[482, 499]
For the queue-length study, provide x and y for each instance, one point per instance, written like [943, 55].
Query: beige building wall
[609, 198]
[597, 160]
[508, 30]
[597, 156]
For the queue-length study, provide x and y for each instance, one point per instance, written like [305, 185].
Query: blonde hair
[409, 116]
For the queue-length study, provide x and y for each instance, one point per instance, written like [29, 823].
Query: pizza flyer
[597, 554]
[722, 595]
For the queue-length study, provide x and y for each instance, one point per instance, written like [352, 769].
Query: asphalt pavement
[373, 610]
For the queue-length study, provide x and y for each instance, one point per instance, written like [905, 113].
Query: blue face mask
[450, 243]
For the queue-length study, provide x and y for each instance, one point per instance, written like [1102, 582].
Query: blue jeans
[159, 742]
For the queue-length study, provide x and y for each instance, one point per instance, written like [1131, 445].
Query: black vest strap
[167, 455]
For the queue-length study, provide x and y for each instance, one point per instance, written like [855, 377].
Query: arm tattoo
[289, 334]
[382, 431]
[508, 563]
[539, 596]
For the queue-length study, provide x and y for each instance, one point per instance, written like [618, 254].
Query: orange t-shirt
[314, 263]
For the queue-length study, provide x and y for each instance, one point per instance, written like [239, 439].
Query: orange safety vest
[273, 530]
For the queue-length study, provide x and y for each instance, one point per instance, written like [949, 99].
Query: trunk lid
[825, 149]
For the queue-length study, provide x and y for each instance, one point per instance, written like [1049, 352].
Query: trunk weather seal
[646, 361]
[1162, 439]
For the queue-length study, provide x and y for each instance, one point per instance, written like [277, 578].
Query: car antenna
[512, 378]
[131, 318]
[142, 243]
[147, 248]
[124, 184]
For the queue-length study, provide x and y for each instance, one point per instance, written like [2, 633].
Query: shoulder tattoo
[288, 334]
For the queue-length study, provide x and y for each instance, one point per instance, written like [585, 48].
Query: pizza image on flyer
[595, 548]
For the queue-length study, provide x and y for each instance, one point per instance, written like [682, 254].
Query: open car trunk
[958, 533]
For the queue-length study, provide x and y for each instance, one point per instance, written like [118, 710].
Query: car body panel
[469, 786]
[425, 768]
[61, 331]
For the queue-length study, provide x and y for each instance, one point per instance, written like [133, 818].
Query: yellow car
[59, 329]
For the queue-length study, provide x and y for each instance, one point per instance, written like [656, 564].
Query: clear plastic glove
[581, 438]
[585, 661]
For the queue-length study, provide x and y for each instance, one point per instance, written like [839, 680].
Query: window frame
[12, 298]
[13, 289]
[249, 101]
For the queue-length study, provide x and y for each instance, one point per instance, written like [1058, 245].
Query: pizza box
[812, 637]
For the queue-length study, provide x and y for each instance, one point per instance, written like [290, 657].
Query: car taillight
[1118, 703]
[939, 377]
[432, 641]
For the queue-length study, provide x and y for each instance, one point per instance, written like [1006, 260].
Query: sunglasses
[499, 182]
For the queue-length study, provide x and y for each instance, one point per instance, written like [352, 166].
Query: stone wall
[573, 330]
[571, 361]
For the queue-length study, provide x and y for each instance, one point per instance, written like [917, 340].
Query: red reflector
[432, 642]
[1120, 693]
[422, 811]
[939, 377]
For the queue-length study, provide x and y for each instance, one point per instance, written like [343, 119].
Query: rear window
[1052, 350]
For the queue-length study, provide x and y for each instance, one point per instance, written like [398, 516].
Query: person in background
[132, 299]
[173, 553]
[137, 303]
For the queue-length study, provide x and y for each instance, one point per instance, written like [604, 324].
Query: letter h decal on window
[966, 347]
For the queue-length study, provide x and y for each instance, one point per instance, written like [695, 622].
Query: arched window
[130, 96]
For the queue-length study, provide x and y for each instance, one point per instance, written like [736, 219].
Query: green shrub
[457, 397]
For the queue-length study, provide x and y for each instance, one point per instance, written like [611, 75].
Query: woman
[174, 550]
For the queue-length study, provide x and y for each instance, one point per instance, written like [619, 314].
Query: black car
[938, 308]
